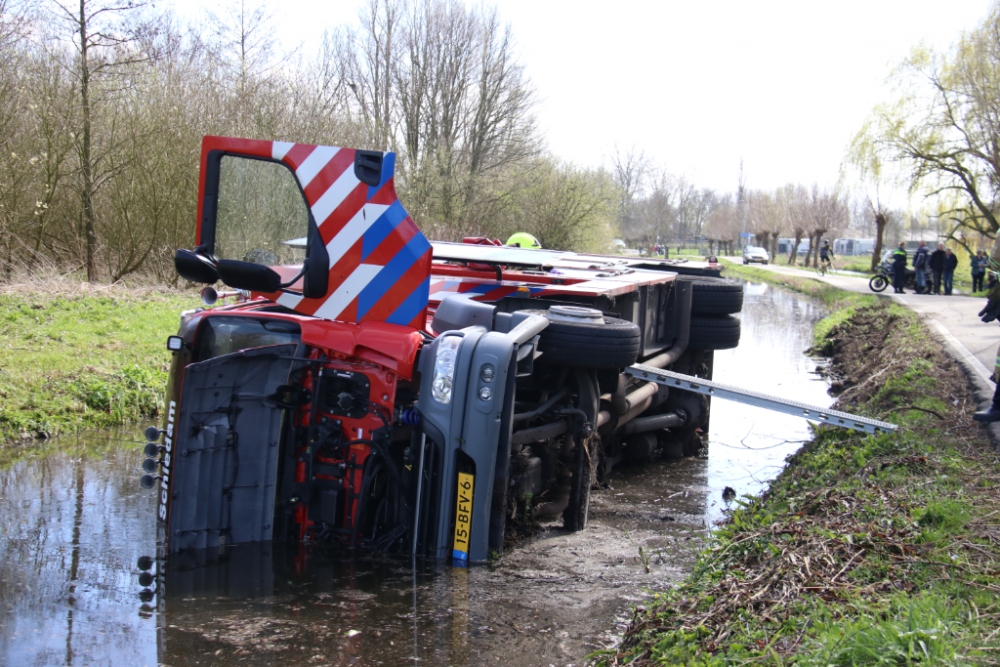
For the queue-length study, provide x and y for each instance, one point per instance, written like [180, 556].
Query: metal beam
[709, 388]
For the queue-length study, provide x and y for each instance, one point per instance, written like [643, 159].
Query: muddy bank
[865, 550]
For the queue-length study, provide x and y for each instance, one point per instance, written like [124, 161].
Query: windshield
[262, 215]
[224, 335]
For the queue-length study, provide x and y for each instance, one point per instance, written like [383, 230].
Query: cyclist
[826, 257]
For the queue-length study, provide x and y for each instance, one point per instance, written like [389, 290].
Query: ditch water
[74, 521]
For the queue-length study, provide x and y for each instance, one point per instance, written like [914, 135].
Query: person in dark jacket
[978, 271]
[899, 268]
[937, 266]
[950, 264]
[988, 314]
[920, 267]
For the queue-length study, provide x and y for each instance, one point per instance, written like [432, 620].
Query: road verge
[865, 550]
[75, 356]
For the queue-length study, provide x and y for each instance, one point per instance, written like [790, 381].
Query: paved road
[953, 317]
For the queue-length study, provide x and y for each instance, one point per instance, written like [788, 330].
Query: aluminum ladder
[715, 389]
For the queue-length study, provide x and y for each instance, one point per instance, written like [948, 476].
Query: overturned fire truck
[369, 388]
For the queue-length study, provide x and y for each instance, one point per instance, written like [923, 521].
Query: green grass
[82, 359]
[830, 295]
[866, 550]
[856, 264]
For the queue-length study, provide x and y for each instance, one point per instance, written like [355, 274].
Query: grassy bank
[74, 356]
[866, 550]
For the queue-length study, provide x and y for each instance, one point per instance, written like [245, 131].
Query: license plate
[463, 516]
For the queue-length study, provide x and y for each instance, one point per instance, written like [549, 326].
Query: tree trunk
[793, 255]
[880, 221]
[86, 166]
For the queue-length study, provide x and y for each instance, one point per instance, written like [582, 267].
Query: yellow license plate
[463, 516]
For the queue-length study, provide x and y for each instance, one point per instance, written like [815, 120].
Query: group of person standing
[934, 270]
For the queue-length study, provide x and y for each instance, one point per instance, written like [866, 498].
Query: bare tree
[629, 169]
[245, 51]
[764, 219]
[656, 213]
[372, 56]
[102, 38]
[793, 202]
[826, 210]
[723, 227]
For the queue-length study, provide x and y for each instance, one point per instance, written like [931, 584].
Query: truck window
[225, 335]
[262, 215]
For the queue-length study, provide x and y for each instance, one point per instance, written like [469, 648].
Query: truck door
[318, 229]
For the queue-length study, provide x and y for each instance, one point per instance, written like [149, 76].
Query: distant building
[785, 246]
[853, 247]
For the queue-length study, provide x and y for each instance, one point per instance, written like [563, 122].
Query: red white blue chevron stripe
[380, 262]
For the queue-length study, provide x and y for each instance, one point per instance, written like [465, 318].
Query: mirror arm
[291, 282]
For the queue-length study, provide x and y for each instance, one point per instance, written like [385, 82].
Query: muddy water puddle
[74, 522]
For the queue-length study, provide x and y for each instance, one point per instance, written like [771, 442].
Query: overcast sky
[697, 86]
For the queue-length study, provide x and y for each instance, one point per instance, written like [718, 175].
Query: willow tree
[940, 132]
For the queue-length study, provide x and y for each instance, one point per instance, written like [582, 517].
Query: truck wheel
[641, 448]
[612, 343]
[585, 460]
[714, 333]
[716, 296]
[691, 441]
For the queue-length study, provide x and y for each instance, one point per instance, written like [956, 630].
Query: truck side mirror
[194, 267]
[249, 276]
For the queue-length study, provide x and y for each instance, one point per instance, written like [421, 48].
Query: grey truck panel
[471, 424]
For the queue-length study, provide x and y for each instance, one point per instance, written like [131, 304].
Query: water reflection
[73, 524]
[71, 528]
[748, 445]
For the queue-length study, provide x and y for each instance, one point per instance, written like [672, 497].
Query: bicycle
[825, 264]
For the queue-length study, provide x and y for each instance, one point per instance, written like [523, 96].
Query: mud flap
[225, 466]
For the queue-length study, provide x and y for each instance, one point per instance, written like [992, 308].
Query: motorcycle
[883, 278]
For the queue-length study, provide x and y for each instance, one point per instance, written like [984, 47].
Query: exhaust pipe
[655, 423]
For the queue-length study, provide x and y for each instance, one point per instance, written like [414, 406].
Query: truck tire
[716, 296]
[641, 448]
[613, 344]
[714, 333]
